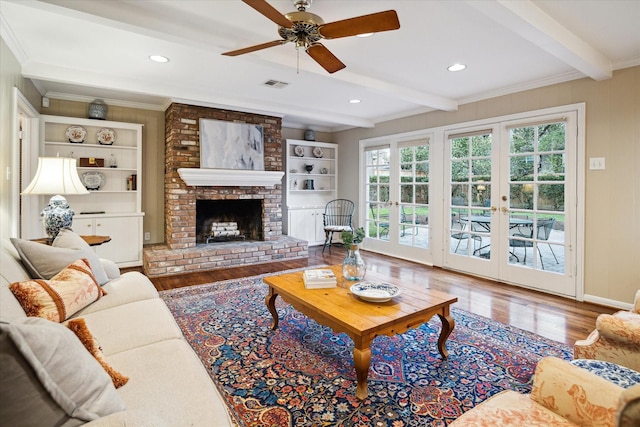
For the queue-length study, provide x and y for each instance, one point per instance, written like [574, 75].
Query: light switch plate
[596, 163]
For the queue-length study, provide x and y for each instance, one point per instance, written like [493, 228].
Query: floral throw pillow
[62, 296]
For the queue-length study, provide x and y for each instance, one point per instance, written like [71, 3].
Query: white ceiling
[81, 49]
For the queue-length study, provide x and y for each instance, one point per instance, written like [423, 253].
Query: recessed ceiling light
[364, 35]
[354, 101]
[159, 58]
[456, 67]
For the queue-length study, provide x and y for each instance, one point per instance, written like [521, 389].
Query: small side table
[91, 240]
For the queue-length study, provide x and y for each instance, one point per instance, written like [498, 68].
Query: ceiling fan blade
[269, 11]
[325, 58]
[254, 48]
[373, 23]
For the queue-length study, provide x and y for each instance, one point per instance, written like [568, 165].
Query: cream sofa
[168, 385]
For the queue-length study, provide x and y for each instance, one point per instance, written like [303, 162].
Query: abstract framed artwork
[231, 145]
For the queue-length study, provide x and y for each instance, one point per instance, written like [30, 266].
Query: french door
[396, 198]
[509, 194]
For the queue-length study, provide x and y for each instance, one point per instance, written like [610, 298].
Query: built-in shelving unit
[305, 200]
[115, 208]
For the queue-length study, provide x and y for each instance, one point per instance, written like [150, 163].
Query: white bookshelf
[304, 206]
[115, 209]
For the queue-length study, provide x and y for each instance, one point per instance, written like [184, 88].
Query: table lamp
[56, 175]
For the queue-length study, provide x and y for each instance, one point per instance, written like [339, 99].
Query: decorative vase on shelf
[353, 266]
[98, 110]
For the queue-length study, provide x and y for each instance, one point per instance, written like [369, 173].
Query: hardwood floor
[554, 317]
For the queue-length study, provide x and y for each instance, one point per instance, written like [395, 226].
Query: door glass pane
[537, 197]
[413, 223]
[521, 168]
[377, 176]
[470, 185]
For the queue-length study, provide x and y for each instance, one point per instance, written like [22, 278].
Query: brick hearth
[180, 253]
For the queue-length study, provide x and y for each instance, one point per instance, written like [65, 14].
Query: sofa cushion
[182, 395]
[57, 299]
[79, 327]
[48, 378]
[43, 261]
[131, 325]
[130, 287]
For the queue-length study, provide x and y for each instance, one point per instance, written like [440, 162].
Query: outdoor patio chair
[458, 232]
[381, 224]
[405, 220]
[544, 227]
[337, 217]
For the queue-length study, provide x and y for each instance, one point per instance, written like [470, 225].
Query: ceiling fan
[306, 29]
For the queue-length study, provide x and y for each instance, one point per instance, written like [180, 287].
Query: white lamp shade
[56, 175]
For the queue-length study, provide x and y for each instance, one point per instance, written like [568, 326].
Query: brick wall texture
[182, 150]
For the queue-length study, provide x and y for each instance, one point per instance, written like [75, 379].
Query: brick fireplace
[181, 251]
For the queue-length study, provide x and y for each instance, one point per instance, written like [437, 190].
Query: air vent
[276, 84]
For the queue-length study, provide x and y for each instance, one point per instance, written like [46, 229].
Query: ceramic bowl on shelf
[299, 150]
[317, 152]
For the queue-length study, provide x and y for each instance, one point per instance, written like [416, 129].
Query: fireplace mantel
[197, 177]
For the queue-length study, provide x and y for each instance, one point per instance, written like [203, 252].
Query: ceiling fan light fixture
[456, 67]
[363, 35]
[354, 101]
[306, 30]
[159, 58]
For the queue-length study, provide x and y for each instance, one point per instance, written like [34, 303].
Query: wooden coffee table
[343, 311]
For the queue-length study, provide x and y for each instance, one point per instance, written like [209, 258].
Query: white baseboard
[607, 302]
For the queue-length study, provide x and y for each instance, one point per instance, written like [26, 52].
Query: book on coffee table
[319, 279]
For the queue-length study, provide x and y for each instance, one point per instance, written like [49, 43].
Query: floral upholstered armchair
[616, 338]
[562, 395]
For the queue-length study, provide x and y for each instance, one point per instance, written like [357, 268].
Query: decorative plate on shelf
[76, 134]
[106, 136]
[375, 291]
[93, 180]
[317, 152]
[299, 150]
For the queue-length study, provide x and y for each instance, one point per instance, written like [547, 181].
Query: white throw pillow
[44, 261]
[64, 372]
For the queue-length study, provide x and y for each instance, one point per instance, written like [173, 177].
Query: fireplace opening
[228, 220]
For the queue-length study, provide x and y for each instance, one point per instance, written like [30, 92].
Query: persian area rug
[302, 374]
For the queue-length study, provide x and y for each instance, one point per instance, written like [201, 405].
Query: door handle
[504, 210]
[493, 208]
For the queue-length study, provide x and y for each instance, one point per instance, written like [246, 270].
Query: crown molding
[108, 101]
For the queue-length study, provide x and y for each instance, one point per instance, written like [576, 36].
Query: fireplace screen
[228, 220]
